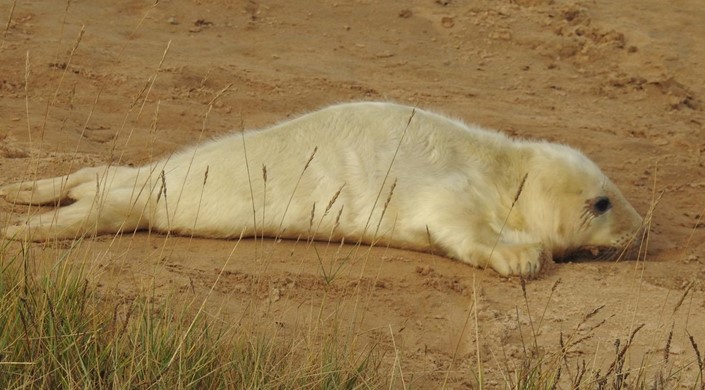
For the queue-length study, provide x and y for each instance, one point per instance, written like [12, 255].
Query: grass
[56, 331]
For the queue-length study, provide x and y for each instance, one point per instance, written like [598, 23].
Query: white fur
[455, 186]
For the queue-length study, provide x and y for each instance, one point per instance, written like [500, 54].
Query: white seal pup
[375, 173]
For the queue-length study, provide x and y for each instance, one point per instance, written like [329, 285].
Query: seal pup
[368, 172]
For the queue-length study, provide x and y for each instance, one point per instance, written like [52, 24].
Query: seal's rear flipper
[115, 211]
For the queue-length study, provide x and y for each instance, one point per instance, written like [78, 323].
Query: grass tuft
[56, 331]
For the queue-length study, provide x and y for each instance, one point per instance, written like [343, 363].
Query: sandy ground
[622, 81]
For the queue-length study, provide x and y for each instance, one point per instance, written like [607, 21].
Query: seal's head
[574, 209]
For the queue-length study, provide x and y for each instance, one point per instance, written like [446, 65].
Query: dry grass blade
[619, 360]
[592, 314]
[480, 371]
[397, 361]
[520, 189]
[698, 223]
[580, 373]
[137, 27]
[682, 298]
[310, 222]
[66, 69]
[667, 348]
[61, 32]
[430, 241]
[521, 333]
[386, 205]
[9, 22]
[386, 176]
[333, 200]
[200, 202]
[526, 303]
[548, 301]
[280, 230]
[264, 198]
[249, 180]
[195, 151]
[145, 95]
[26, 96]
[471, 311]
[699, 360]
[337, 221]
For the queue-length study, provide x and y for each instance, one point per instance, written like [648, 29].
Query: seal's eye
[601, 204]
